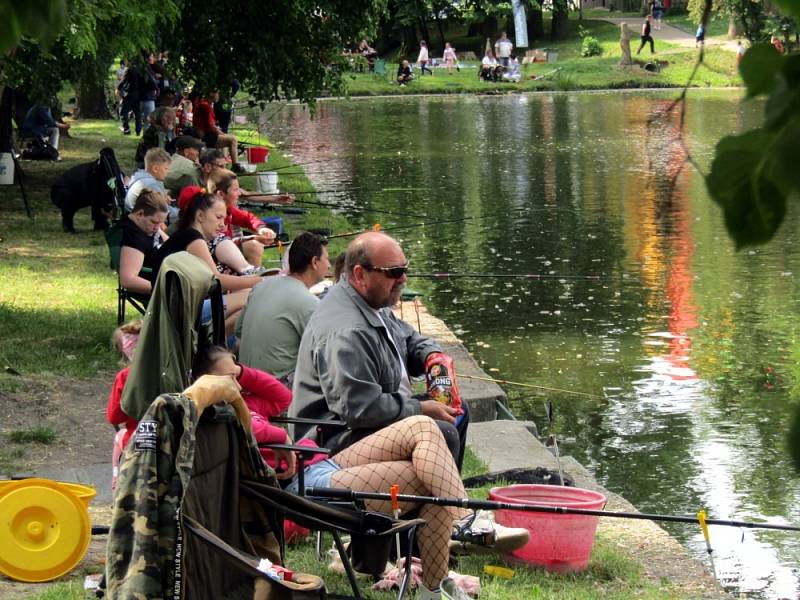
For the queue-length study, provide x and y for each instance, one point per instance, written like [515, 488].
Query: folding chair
[124, 296]
[372, 534]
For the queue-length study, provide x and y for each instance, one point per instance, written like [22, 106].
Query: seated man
[277, 310]
[156, 167]
[39, 124]
[356, 357]
[184, 168]
[210, 160]
[404, 74]
[205, 122]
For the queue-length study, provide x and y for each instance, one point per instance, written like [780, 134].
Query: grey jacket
[347, 368]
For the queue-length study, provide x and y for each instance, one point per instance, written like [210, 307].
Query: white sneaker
[479, 534]
[448, 590]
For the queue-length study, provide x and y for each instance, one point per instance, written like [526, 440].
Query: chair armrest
[304, 421]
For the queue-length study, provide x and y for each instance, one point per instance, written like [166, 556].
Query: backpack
[39, 150]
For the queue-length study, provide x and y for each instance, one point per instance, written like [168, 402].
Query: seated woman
[205, 122]
[404, 74]
[225, 184]
[413, 454]
[142, 236]
[489, 67]
[160, 134]
[202, 218]
[368, 53]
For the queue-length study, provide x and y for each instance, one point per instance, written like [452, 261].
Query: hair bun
[188, 194]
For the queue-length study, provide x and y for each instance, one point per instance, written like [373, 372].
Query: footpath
[667, 33]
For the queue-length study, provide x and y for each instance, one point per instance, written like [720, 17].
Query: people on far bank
[646, 37]
[502, 50]
[740, 50]
[423, 58]
[450, 59]
[404, 73]
[490, 70]
[700, 36]
[657, 10]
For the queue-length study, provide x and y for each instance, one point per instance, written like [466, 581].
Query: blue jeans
[146, 107]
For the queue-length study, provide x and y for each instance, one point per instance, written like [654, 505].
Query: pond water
[688, 345]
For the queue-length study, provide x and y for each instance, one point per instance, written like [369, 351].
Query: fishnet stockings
[412, 454]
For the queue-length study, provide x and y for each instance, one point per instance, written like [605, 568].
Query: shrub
[590, 46]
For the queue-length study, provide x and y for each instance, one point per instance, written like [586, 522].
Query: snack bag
[440, 378]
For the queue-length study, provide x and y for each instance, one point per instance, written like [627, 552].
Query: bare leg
[226, 140]
[253, 252]
[229, 254]
[233, 305]
[412, 454]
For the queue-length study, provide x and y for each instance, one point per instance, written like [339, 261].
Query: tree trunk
[90, 90]
[441, 30]
[733, 31]
[536, 25]
[560, 28]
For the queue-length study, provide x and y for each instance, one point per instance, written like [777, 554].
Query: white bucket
[267, 182]
[6, 169]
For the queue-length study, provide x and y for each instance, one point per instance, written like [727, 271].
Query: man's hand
[438, 411]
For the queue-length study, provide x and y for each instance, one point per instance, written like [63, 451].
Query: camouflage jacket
[147, 550]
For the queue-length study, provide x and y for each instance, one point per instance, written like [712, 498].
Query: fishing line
[350, 495]
[502, 276]
[530, 385]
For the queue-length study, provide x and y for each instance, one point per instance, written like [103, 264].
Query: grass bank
[612, 573]
[574, 71]
[57, 292]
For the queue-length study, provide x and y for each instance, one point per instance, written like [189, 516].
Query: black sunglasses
[391, 272]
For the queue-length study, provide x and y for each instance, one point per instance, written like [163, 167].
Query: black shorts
[210, 139]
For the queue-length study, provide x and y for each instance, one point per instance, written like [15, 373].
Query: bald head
[368, 263]
[370, 249]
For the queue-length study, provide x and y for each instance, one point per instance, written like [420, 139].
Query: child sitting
[265, 397]
[124, 339]
[404, 74]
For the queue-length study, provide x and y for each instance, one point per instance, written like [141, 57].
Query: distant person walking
[658, 13]
[740, 50]
[502, 49]
[646, 37]
[450, 59]
[700, 36]
[423, 58]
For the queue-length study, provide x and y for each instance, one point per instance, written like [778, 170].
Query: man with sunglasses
[355, 357]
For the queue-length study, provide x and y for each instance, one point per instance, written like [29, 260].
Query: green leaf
[739, 181]
[782, 104]
[753, 216]
[735, 160]
[759, 68]
[783, 167]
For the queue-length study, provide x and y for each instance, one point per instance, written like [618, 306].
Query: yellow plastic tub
[44, 528]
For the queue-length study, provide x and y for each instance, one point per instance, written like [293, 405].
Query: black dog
[88, 185]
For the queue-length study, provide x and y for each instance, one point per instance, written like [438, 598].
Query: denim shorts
[317, 475]
[205, 313]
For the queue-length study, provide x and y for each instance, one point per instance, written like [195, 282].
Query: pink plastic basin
[559, 543]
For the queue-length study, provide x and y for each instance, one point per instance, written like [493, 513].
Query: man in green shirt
[273, 320]
[184, 169]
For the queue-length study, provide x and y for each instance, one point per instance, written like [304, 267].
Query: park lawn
[717, 24]
[57, 292]
[574, 71]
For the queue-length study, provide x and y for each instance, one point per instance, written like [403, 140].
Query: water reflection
[644, 299]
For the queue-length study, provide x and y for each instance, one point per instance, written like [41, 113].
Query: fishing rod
[350, 495]
[360, 209]
[501, 276]
[530, 385]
